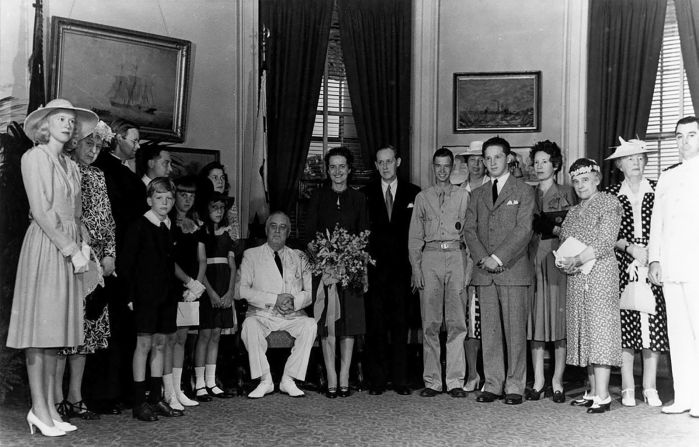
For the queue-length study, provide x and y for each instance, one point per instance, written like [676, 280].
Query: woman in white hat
[47, 308]
[640, 330]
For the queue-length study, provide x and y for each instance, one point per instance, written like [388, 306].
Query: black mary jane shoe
[344, 391]
[222, 395]
[533, 394]
[559, 397]
[331, 393]
[203, 397]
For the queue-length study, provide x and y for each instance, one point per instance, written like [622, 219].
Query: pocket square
[513, 202]
[411, 205]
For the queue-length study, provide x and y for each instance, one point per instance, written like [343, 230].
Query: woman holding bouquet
[336, 204]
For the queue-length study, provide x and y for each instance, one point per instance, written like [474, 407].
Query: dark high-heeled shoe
[599, 407]
[331, 393]
[344, 391]
[532, 394]
[559, 397]
[63, 408]
[79, 409]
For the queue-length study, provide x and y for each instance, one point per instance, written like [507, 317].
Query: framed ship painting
[497, 102]
[120, 73]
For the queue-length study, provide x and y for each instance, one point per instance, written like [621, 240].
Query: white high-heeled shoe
[46, 430]
[627, 397]
[650, 396]
[65, 426]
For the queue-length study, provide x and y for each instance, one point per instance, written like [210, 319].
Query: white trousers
[256, 328]
[682, 302]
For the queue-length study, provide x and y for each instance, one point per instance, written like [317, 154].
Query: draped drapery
[625, 38]
[295, 57]
[688, 23]
[376, 47]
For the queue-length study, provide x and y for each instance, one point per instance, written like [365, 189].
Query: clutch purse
[557, 217]
[188, 313]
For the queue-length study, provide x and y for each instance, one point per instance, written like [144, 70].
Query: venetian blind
[334, 123]
[671, 99]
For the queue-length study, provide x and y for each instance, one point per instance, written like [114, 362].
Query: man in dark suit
[497, 230]
[390, 203]
[108, 371]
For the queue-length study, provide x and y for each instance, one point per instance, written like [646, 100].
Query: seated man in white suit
[276, 282]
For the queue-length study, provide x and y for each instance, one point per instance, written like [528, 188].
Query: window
[671, 99]
[334, 124]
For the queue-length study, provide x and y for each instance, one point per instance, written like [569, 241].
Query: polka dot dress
[593, 326]
[639, 330]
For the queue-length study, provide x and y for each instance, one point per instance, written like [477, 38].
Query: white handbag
[637, 294]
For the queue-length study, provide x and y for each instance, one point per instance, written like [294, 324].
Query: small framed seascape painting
[497, 102]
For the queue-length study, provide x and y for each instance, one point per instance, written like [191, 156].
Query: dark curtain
[295, 58]
[625, 37]
[37, 93]
[688, 24]
[376, 48]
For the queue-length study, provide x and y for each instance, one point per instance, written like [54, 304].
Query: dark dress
[547, 318]
[639, 330]
[218, 273]
[348, 209]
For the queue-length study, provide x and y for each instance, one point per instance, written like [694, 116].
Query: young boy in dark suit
[148, 265]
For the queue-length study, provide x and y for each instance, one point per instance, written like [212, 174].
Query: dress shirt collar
[271, 250]
[146, 180]
[501, 180]
[393, 185]
[155, 220]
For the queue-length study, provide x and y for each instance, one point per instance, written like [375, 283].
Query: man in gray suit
[497, 230]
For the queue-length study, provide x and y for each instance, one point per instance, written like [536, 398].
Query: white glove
[195, 287]
[79, 262]
[189, 296]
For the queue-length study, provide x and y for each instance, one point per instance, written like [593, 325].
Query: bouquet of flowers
[340, 257]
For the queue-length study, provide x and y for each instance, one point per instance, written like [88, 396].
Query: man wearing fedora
[390, 202]
[498, 230]
[439, 260]
[672, 248]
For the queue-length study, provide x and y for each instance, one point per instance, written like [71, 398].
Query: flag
[37, 93]
[259, 195]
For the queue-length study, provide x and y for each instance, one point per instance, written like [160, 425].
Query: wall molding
[425, 75]
[574, 82]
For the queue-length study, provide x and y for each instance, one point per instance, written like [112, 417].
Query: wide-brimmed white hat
[630, 147]
[85, 120]
[475, 148]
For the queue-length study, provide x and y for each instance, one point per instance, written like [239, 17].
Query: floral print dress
[592, 318]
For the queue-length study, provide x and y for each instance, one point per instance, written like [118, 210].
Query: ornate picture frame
[121, 73]
[497, 102]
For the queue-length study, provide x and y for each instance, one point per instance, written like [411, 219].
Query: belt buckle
[444, 245]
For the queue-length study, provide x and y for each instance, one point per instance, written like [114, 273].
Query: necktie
[389, 202]
[278, 261]
[495, 190]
